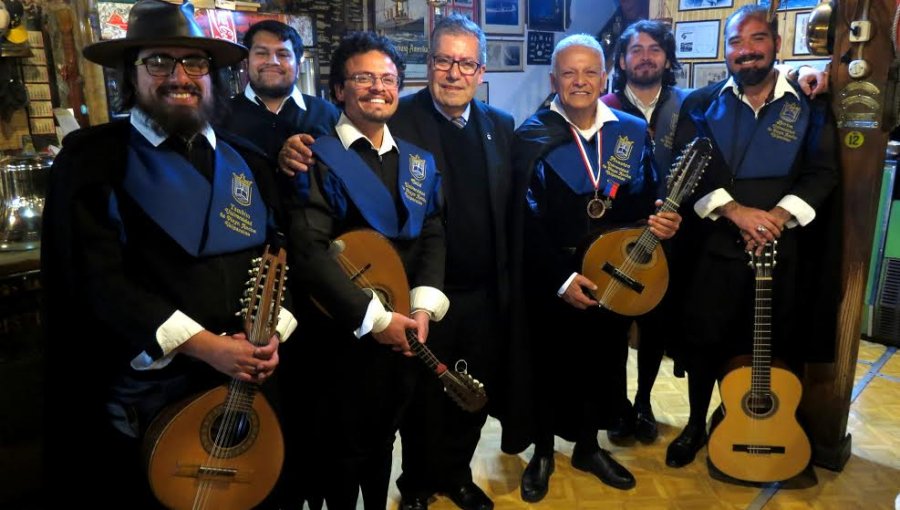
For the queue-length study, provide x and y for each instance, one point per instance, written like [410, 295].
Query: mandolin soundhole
[641, 256]
[760, 405]
[227, 436]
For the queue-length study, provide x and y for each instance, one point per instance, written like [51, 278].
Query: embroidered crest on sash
[417, 167]
[790, 112]
[623, 148]
[240, 189]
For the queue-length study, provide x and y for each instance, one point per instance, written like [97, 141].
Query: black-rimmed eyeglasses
[389, 81]
[466, 67]
[164, 65]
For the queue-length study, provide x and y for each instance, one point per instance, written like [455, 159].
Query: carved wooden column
[828, 387]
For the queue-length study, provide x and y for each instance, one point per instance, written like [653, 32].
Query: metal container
[23, 183]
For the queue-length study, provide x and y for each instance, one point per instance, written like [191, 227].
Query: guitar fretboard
[761, 380]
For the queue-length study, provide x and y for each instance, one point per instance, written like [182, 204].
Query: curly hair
[357, 43]
[663, 36]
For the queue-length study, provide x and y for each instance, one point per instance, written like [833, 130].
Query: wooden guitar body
[184, 460]
[760, 441]
[629, 283]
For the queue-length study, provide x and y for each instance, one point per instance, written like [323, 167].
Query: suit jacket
[415, 122]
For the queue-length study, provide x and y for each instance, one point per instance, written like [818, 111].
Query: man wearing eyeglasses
[272, 109]
[471, 143]
[367, 177]
[150, 226]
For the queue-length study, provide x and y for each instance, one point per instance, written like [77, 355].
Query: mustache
[748, 58]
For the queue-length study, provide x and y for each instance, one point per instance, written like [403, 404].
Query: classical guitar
[628, 265]
[223, 449]
[759, 440]
[370, 261]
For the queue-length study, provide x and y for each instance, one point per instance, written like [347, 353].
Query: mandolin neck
[424, 353]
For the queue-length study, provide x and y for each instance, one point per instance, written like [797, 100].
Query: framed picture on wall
[817, 63]
[548, 15]
[697, 39]
[707, 73]
[683, 76]
[692, 5]
[503, 16]
[505, 55]
[800, 24]
[404, 23]
[482, 93]
[790, 5]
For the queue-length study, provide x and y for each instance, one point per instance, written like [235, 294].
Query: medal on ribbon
[597, 206]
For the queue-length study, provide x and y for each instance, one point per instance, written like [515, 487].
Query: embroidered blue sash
[417, 182]
[758, 148]
[623, 149]
[664, 133]
[204, 219]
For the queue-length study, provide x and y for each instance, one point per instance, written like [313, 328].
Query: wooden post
[828, 387]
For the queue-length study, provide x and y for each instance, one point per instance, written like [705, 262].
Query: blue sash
[623, 150]
[758, 148]
[417, 182]
[205, 219]
[664, 133]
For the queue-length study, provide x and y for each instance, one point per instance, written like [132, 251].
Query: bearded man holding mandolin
[150, 226]
[591, 170]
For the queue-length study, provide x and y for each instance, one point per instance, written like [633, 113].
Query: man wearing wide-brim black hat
[150, 226]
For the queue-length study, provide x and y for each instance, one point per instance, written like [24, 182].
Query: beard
[752, 76]
[642, 79]
[177, 120]
[273, 91]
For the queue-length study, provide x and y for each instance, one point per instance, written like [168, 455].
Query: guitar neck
[760, 381]
[424, 353]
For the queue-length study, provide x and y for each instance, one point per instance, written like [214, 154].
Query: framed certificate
[697, 39]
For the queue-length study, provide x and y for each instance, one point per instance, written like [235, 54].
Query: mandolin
[223, 449]
[628, 265]
[759, 440]
[371, 262]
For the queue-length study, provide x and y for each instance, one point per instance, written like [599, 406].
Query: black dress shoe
[622, 431]
[414, 503]
[645, 428]
[604, 467]
[536, 478]
[684, 448]
[470, 497]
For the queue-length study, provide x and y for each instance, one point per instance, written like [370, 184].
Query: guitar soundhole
[227, 435]
[641, 258]
[760, 405]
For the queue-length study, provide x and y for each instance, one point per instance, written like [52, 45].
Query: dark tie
[459, 122]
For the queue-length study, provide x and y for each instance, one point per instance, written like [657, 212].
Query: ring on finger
[760, 228]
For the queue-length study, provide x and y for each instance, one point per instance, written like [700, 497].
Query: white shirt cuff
[562, 290]
[286, 324]
[376, 320]
[801, 212]
[707, 205]
[177, 329]
[430, 300]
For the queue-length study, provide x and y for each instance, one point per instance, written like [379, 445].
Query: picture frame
[547, 15]
[405, 24]
[696, 5]
[817, 63]
[801, 21]
[483, 92]
[791, 5]
[707, 73]
[505, 55]
[503, 16]
[683, 76]
[697, 39]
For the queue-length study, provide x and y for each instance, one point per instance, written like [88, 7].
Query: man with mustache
[591, 169]
[773, 167]
[272, 109]
[364, 177]
[150, 226]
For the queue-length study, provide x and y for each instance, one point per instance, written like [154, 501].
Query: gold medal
[596, 208]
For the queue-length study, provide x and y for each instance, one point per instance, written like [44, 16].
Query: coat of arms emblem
[240, 189]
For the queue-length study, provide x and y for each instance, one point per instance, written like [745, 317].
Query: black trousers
[438, 437]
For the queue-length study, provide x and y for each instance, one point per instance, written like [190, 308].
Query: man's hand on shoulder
[295, 155]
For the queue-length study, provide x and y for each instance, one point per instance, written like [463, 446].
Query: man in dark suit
[483, 218]
[272, 109]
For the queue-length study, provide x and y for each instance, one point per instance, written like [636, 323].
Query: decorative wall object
[697, 39]
[404, 24]
[690, 5]
[505, 55]
[503, 16]
[789, 5]
[683, 76]
[540, 47]
[547, 15]
[800, 23]
[708, 73]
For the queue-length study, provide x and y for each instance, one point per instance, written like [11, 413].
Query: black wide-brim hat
[158, 23]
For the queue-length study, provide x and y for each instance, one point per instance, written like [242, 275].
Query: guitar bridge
[623, 278]
[210, 473]
[758, 449]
